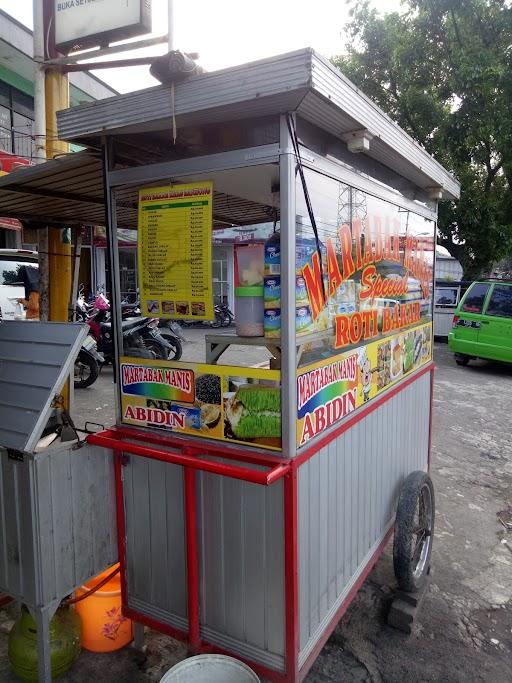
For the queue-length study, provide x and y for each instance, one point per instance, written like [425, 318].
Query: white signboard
[89, 23]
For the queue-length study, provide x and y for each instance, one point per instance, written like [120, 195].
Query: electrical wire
[309, 206]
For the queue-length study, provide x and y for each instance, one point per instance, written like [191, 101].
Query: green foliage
[442, 69]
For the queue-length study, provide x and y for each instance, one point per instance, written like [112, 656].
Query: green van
[482, 323]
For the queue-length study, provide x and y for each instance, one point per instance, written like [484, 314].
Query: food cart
[257, 479]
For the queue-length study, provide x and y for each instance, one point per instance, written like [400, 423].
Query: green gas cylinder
[65, 632]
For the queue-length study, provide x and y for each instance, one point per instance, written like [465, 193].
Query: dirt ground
[464, 630]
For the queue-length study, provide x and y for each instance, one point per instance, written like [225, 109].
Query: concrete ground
[464, 630]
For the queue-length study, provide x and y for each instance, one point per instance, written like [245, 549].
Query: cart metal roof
[69, 190]
[35, 359]
[301, 82]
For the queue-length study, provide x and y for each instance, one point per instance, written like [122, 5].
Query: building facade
[17, 143]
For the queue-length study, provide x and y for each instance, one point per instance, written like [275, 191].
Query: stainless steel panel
[241, 549]
[155, 531]
[242, 565]
[346, 501]
[57, 521]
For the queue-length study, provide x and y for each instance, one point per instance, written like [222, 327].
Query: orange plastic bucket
[104, 628]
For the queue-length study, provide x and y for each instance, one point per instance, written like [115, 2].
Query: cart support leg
[44, 665]
[192, 559]
[138, 635]
[291, 576]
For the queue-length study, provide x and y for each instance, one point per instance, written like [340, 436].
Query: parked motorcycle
[223, 316]
[141, 337]
[169, 330]
[87, 364]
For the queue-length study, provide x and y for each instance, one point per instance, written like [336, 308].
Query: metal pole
[39, 84]
[288, 343]
[39, 151]
[170, 20]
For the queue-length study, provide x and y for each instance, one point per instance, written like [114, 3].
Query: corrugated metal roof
[69, 191]
[34, 361]
[301, 81]
[245, 91]
[390, 141]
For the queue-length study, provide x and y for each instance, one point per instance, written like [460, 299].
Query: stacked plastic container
[249, 308]
[272, 289]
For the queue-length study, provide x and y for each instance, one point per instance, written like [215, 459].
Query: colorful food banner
[175, 251]
[330, 390]
[233, 404]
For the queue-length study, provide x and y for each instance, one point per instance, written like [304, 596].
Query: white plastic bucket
[210, 669]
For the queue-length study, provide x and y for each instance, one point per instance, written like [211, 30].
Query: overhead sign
[92, 23]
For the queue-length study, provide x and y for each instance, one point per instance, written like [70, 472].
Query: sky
[229, 32]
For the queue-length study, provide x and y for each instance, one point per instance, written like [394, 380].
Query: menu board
[175, 251]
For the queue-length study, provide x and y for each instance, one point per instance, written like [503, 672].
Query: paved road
[464, 633]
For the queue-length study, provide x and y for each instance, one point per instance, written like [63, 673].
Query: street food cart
[257, 479]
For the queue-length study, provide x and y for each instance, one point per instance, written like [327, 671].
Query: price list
[174, 248]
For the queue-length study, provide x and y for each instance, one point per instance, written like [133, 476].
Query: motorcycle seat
[126, 324]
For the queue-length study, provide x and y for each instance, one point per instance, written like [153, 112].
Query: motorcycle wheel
[227, 320]
[218, 320]
[175, 344]
[86, 371]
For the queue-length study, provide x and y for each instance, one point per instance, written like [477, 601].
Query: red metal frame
[192, 559]
[117, 440]
[190, 458]
[432, 377]
[203, 447]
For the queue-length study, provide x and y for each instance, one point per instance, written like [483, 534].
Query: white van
[11, 285]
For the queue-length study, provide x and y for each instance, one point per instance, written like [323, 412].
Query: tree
[442, 69]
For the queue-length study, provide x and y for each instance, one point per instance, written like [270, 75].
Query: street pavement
[464, 629]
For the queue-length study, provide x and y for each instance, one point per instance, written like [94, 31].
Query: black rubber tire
[154, 347]
[460, 359]
[411, 570]
[93, 370]
[175, 343]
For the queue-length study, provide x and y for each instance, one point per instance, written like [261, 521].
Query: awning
[68, 191]
[10, 224]
[65, 191]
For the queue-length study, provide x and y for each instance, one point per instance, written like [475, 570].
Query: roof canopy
[301, 82]
[69, 190]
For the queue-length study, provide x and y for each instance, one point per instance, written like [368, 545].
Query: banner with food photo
[327, 392]
[217, 402]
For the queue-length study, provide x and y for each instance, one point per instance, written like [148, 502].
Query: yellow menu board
[175, 251]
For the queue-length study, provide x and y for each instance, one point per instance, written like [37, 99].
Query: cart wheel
[414, 531]
[461, 359]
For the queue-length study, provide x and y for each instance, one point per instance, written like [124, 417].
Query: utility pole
[40, 150]
[170, 23]
[51, 94]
